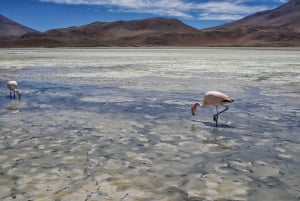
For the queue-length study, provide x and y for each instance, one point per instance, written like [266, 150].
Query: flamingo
[214, 98]
[13, 86]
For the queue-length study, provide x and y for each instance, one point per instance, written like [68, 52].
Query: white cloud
[209, 10]
[226, 10]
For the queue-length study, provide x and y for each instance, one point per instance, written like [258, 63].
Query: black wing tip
[228, 101]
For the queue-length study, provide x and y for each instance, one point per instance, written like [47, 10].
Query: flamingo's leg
[226, 108]
[10, 94]
[216, 116]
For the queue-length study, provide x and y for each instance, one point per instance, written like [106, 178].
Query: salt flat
[115, 124]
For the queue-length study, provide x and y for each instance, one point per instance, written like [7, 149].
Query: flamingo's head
[194, 107]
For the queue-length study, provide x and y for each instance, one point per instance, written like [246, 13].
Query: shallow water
[115, 124]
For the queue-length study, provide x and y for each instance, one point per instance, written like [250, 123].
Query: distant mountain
[285, 16]
[11, 28]
[277, 27]
[121, 29]
[145, 32]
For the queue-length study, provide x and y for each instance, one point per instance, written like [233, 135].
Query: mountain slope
[11, 28]
[285, 16]
[277, 27]
[145, 32]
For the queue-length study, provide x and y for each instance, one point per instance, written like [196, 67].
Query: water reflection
[14, 106]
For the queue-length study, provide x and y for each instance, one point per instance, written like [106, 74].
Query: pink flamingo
[214, 98]
[13, 86]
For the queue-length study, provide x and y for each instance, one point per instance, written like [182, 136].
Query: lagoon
[115, 124]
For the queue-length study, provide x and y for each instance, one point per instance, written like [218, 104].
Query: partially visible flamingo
[13, 86]
[214, 98]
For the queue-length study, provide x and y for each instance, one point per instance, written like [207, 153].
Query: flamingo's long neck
[194, 107]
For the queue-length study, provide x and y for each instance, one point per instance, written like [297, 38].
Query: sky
[43, 15]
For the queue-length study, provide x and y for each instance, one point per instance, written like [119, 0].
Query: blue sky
[43, 15]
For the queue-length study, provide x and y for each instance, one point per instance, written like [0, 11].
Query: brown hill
[121, 29]
[277, 27]
[146, 32]
[11, 28]
[286, 16]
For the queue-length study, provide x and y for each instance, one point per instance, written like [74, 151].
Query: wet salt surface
[115, 124]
